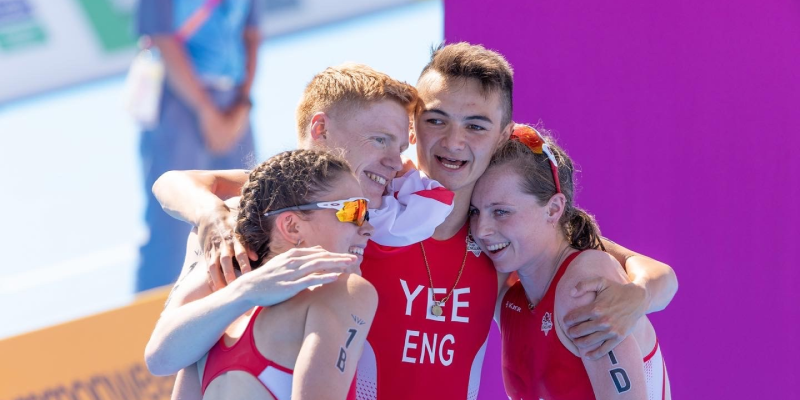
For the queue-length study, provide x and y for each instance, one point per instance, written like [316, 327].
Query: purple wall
[684, 118]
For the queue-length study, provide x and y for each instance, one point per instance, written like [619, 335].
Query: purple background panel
[684, 118]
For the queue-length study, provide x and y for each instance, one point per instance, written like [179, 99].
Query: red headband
[530, 137]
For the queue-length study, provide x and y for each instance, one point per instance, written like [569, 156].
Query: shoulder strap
[196, 20]
[562, 269]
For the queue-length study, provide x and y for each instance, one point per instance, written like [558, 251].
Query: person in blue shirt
[204, 110]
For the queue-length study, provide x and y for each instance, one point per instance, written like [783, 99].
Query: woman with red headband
[524, 217]
[307, 346]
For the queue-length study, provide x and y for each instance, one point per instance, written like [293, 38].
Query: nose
[481, 228]
[455, 140]
[366, 229]
[392, 160]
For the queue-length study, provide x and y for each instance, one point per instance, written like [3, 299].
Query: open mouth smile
[376, 178]
[451, 163]
[496, 248]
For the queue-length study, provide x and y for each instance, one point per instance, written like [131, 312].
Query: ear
[412, 131]
[319, 127]
[555, 207]
[505, 134]
[289, 227]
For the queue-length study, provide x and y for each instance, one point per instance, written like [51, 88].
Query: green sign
[112, 24]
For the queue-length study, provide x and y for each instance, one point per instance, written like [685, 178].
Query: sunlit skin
[316, 227]
[373, 137]
[501, 214]
[456, 132]
[522, 235]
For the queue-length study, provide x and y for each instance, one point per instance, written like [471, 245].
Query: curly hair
[578, 226]
[288, 179]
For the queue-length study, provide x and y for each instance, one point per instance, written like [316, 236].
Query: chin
[504, 267]
[375, 202]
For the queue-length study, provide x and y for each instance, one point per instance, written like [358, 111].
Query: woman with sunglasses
[307, 346]
[524, 217]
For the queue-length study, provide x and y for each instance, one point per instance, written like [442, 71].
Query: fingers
[318, 263]
[580, 315]
[226, 261]
[211, 253]
[607, 346]
[297, 258]
[316, 279]
[242, 257]
[589, 285]
[251, 254]
[591, 342]
[216, 278]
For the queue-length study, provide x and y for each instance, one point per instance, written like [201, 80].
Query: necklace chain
[430, 278]
[532, 306]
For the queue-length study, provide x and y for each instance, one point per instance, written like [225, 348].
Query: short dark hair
[490, 68]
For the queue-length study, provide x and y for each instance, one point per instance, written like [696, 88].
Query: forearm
[252, 39]
[180, 74]
[190, 195]
[658, 279]
[184, 334]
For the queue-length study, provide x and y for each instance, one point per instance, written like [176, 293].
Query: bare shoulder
[349, 290]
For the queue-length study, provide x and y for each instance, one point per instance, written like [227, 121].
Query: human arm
[195, 317]
[600, 326]
[618, 374]
[252, 39]
[220, 127]
[335, 333]
[187, 384]
[197, 197]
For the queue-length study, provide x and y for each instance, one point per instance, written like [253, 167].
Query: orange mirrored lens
[353, 211]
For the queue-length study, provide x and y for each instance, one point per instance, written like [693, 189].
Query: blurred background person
[208, 48]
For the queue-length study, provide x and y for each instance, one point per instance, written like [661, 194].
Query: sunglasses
[530, 137]
[353, 210]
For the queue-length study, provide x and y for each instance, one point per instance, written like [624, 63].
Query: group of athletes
[342, 271]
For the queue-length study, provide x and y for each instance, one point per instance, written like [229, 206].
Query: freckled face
[372, 137]
[509, 225]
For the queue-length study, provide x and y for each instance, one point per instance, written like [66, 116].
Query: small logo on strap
[547, 323]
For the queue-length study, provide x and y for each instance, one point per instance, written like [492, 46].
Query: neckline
[549, 292]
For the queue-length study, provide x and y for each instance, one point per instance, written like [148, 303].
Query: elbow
[674, 280]
[161, 184]
[669, 288]
[157, 363]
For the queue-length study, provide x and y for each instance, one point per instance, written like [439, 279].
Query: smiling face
[457, 130]
[510, 226]
[372, 137]
[323, 228]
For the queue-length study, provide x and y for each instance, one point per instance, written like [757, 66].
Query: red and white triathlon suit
[410, 353]
[536, 365]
